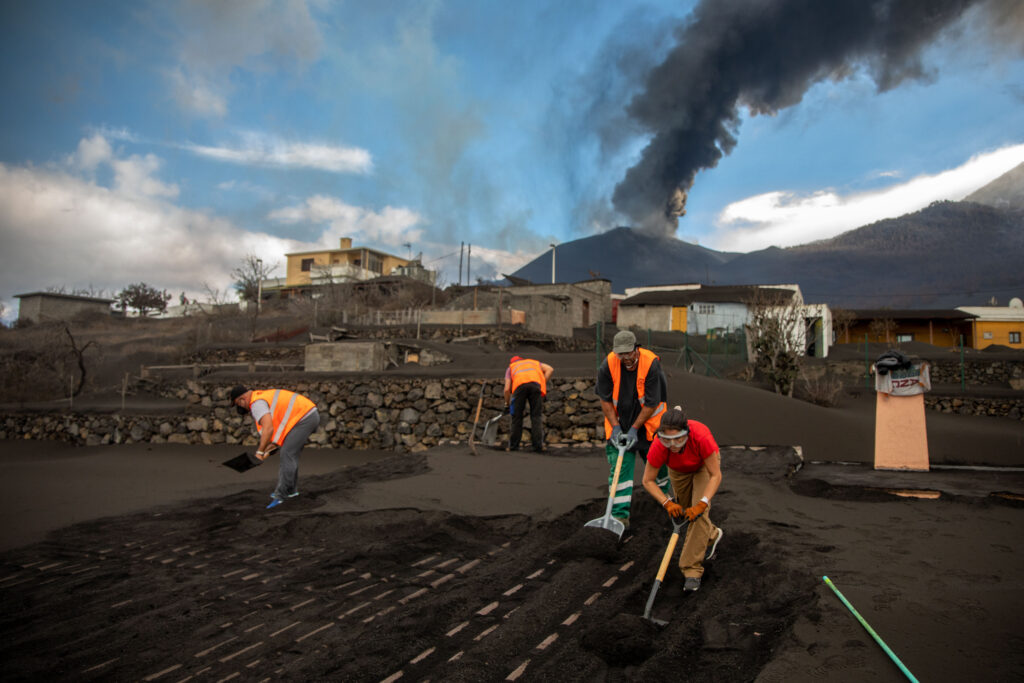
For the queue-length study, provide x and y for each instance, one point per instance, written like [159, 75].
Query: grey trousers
[288, 471]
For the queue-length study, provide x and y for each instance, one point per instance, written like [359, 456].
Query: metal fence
[715, 353]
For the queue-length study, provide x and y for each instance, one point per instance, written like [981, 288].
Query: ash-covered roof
[910, 314]
[727, 294]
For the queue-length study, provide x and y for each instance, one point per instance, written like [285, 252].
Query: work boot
[692, 584]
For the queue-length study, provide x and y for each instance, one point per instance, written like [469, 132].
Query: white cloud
[134, 176]
[92, 151]
[783, 218]
[216, 37]
[258, 149]
[245, 186]
[197, 95]
[392, 226]
[264, 150]
[60, 227]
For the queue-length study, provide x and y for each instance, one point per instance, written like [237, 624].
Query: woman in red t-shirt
[695, 470]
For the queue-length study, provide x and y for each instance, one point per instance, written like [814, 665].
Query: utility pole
[469, 261]
[259, 286]
[462, 246]
[552, 263]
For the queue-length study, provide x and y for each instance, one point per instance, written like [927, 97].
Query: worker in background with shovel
[285, 420]
[694, 463]
[526, 381]
[633, 391]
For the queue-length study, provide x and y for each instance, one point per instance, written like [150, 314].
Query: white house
[701, 310]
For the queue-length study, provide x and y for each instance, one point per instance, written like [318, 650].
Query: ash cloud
[765, 55]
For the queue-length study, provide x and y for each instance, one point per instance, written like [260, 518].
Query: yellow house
[346, 264]
[1001, 325]
[938, 327]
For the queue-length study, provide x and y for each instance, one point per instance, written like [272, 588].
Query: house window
[706, 308]
[900, 338]
[307, 265]
[986, 335]
[1015, 337]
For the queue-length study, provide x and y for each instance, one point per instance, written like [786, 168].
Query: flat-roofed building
[42, 306]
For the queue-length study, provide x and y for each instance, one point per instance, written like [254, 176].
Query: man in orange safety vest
[526, 381]
[632, 388]
[284, 420]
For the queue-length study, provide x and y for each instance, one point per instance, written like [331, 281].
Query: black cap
[235, 393]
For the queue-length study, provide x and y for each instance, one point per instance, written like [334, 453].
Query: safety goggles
[675, 438]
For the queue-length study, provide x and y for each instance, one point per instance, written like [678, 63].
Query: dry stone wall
[1012, 408]
[976, 372]
[399, 414]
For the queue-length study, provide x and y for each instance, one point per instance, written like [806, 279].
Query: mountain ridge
[945, 255]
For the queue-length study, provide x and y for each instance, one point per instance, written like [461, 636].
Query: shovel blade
[610, 523]
[242, 462]
[490, 433]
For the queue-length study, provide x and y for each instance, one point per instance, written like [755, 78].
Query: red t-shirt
[699, 447]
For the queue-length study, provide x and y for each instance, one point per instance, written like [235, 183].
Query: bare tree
[78, 356]
[90, 291]
[249, 274]
[881, 328]
[214, 296]
[842, 321]
[776, 332]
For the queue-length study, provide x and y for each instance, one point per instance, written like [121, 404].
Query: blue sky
[165, 141]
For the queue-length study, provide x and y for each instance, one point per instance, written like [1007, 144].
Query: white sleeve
[259, 409]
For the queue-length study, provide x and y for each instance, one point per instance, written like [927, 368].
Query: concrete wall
[38, 308]
[601, 306]
[546, 314]
[596, 293]
[658, 318]
[345, 356]
[478, 317]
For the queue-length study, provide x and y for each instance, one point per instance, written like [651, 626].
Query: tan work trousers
[689, 487]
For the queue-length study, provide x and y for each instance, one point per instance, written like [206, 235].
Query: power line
[441, 257]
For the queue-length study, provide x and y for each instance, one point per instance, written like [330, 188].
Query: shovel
[608, 522]
[677, 528]
[490, 434]
[476, 420]
[244, 462]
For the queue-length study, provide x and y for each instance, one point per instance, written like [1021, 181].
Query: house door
[586, 314]
[679, 318]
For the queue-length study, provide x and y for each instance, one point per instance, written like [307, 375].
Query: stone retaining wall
[977, 372]
[1012, 408]
[400, 414]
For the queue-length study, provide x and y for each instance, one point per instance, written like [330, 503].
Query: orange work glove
[694, 512]
[674, 509]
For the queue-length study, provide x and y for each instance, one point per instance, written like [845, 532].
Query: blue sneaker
[274, 503]
[293, 495]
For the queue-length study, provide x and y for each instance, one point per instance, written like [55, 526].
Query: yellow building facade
[345, 264]
[1002, 325]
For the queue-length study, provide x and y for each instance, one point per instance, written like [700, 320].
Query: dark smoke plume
[764, 55]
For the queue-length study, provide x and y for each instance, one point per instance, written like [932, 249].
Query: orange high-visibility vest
[646, 358]
[527, 370]
[286, 409]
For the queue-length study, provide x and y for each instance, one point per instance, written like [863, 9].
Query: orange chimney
[346, 242]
